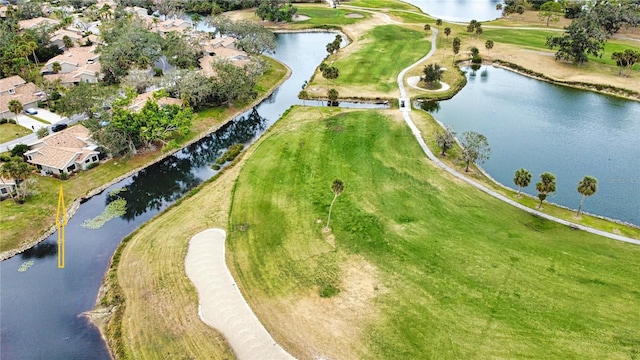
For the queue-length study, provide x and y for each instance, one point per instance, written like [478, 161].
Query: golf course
[412, 263]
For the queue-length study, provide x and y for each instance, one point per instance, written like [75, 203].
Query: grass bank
[23, 225]
[10, 132]
[417, 263]
[362, 73]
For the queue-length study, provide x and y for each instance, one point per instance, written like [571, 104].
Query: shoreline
[78, 201]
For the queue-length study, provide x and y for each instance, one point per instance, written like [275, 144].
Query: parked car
[58, 127]
[31, 111]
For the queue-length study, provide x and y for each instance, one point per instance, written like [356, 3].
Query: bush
[42, 132]
[19, 150]
[476, 59]
[92, 165]
[64, 176]
[215, 167]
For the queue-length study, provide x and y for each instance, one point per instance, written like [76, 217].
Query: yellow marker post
[61, 221]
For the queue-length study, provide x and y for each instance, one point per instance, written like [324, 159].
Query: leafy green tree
[196, 18]
[181, 50]
[19, 150]
[333, 95]
[330, 72]
[19, 171]
[275, 10]
[252, 38]
[337, 187]
[83, 98]
[432, 74]
[475, 148]
[15, 107]
[580, 39]
[520, 10]
[438, 22]
[545, 186]
[42, 132]
[427, 27]
[67, 42]
[586, 187]
[550, 12]
[446, 140]
[522, 179]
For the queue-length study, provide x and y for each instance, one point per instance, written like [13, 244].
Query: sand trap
[354, 16]
[414, 80]
[222, 306]
[300, 18]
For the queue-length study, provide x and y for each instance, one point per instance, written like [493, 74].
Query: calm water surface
[545, 127]
[459, 10]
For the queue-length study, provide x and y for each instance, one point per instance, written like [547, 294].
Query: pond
[544, 127]
[459, 10]
[41, 307]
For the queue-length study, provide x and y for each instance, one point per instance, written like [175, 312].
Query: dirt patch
[328, 328]
[354, 16]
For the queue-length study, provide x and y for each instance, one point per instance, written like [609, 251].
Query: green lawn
[532, 39]
[460, 274]
[10, 132]
[364, 67]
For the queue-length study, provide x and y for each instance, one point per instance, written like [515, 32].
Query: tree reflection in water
[168, 180]
[40, 251]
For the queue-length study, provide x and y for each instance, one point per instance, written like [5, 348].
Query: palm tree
[332, 94]
[56, 67]
[15, 107]
[586, 187]
[19, 171]
[499, 9]
[545, 186]
[337, 187]
[522, 178]
[456, 47]
[488, 45]
[304, 95]
[439, 22]
[447, 32]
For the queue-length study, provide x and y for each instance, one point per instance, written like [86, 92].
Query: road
[32, 138]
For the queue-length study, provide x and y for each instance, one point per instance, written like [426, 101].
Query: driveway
[30, 123]
[47, 115]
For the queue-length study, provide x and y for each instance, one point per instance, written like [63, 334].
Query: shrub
[42, 132]
[476, 59]
[19, 149]
[92, 165]
[64, 176]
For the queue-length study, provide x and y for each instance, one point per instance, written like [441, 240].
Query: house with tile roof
[138, 103]
[78, 64]
[7, 186]
[36, 22]
[58, 37]
[64, 152]
[15, 88]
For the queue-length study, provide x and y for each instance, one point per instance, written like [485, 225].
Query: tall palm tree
[15, 107]
[19, 171]
[586, 187]
[545, 186]
[337, 187]
[522, 178]
[56, 67]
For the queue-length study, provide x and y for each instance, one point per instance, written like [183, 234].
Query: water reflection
[167, 181]
[42, 250]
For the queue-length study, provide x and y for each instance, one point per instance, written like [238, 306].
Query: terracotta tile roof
[26, 94]
[10, 83]
[60, 34]
[60, 150]
[31, 23]
[77, 56]
[141, 100]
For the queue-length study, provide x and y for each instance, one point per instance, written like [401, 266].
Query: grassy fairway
[376, 62]
[322, 16]
[425, 265]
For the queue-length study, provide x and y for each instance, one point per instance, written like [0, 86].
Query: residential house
[221, 48]
[3, 11]
[7, 186]
[15, 88]
[178, 25]
[36, 22]
[141, 100]
[64, 152]
[78, 64]
[58, 36]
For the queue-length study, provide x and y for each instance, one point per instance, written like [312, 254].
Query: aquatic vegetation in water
[115, 209]
[115, 192]
[26, 265]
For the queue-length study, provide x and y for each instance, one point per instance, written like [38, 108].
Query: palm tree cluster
[547, 185]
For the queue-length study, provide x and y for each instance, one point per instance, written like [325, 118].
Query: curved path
[222, 306]
[414, 129]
